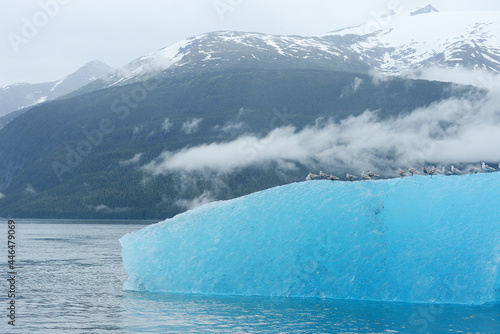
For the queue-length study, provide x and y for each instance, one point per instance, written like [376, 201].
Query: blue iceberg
[417, 239]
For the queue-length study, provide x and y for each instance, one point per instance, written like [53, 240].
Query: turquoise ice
[417, 239]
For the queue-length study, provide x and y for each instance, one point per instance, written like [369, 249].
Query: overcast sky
[44, 40]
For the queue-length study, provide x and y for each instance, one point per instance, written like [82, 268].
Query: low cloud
[191, 126]
[452, 131]
[167, 125]
[204, 198]
[106, 209]
[481, 78]
[379, 78]
[138, 129]
[2, 195]
[352, 88]
[229, 127]
[30, 190]
[133, 160]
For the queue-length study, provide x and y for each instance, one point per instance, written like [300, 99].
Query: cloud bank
[455, 131]
[452, 131]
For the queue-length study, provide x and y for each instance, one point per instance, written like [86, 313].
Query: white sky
[119, 31]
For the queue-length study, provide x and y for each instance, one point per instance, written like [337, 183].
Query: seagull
[455, 170]
[350, 177]
[402, 173]
[372, 174]
[413, 171]
[328, 176]
[446, 172]
[487, 168]
[364, 176]
[473, 170]
[435, 170]
[324, 175]
[426, 171]
[312, 176]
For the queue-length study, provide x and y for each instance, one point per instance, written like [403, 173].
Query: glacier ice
[417, 239]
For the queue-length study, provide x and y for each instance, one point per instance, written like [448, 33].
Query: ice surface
[417, 239]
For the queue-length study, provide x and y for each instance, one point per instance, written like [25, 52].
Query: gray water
[70, 278]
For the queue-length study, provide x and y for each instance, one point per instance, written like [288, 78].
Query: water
[70, 278]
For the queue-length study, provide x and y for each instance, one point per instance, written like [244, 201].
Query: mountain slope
[22, 95]
[59, 160]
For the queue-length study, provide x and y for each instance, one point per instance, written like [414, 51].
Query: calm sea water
[70, 278]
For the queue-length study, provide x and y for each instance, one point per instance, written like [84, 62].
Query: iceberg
[414, 239]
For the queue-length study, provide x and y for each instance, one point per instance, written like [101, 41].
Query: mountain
[97, 153]
[234, 50]
[84, 156]
[424, 10]
[394, 45]
[22, 95]
[424, 38]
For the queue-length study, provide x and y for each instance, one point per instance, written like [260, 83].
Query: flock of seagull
[411, 171]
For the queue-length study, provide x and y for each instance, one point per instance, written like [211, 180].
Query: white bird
[433, 171]
[364, 176]
[455, 171]
[371, 174]
[402, 173]
[312, 176]
[487, 168]
[446, 172]
[350, 177]
[473, 170]
[413, 171]
[436, 170]
[324, 175]
[328, 176]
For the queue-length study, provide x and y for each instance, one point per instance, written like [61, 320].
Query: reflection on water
[219, 314]
[71, 276]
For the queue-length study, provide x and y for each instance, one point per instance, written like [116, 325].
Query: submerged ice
[417, 239]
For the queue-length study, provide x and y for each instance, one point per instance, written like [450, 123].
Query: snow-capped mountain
[393, 45]
[401, 43]
[239, 50]
[22, 95]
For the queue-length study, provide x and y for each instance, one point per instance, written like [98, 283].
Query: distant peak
[96, 64]
[424, 10]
